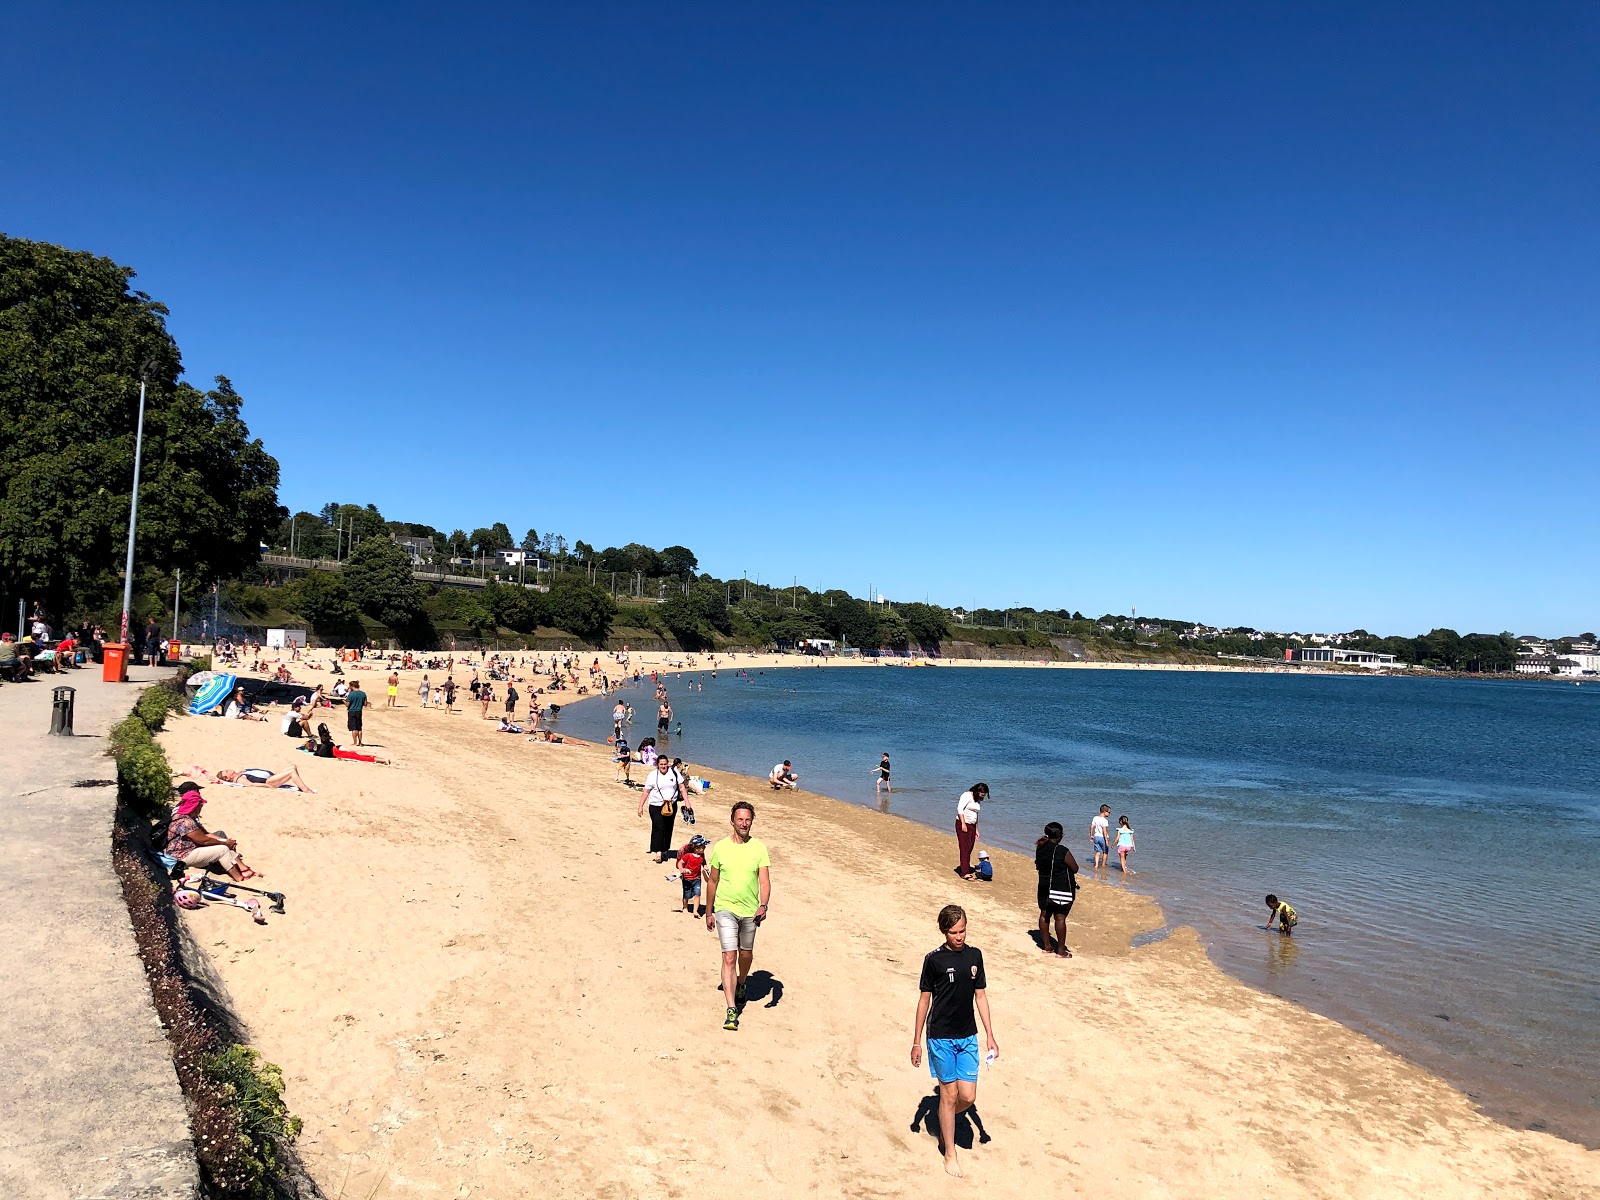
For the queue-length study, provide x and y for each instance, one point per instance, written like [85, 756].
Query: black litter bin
[61, 710]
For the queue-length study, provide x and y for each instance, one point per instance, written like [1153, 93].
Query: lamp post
[133, 510]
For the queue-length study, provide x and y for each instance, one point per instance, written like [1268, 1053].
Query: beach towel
[212, 693]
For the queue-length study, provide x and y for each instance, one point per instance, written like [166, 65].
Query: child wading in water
[952, 983]
[1125, 844]
[1283, 914]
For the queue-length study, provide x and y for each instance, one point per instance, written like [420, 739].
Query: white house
[518, 558]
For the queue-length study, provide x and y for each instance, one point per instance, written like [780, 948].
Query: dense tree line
[75, 342]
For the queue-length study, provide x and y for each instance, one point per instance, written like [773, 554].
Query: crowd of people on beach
[726, 882]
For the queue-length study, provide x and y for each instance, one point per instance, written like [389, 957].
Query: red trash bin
[174, 650]
[115, 668]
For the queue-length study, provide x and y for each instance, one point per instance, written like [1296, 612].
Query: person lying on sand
[256, 777]
[322, 746]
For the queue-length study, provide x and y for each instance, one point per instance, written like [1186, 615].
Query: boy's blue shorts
[950, 1059]
[1100, 846]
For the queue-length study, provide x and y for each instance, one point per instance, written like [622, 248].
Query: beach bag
[1064, 897]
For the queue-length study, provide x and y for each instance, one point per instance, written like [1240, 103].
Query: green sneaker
[738, 995]
[733, 1020]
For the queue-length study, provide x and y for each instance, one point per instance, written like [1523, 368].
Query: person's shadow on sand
[761, 985]
[927, 1116]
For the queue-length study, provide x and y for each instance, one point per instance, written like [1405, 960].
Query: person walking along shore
[661, 788]
[738, 879]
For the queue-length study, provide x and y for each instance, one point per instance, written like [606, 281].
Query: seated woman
[506, 726]
[190, 843]
[240, 709]
[322, 746]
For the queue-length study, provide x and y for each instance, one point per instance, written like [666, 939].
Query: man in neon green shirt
[738, 886]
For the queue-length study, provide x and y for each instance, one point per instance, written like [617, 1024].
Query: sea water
[1440, 839]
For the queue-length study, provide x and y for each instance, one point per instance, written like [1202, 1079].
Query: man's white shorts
[735, 932]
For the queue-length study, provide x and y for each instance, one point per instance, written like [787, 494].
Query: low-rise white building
[1337, 654]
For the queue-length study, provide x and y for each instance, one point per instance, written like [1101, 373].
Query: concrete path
[89, 1101]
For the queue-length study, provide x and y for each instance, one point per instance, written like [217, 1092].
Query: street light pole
[133, 511]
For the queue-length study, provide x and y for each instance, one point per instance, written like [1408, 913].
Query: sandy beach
[481, 989]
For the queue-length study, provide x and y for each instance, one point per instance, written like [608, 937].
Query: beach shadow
[1038, 943]
[761, 985]
[927, 1118]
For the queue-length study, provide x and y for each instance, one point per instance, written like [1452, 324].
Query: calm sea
[1440, 839]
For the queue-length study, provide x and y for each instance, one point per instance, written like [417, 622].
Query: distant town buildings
[418, 549]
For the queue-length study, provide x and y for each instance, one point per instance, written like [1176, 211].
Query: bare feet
[1063, 953]
[952, 1167]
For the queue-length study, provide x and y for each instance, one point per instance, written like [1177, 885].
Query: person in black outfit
[952, 984]
[1058, 887]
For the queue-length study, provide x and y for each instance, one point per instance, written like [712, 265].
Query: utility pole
[177, 591]
[133, 510]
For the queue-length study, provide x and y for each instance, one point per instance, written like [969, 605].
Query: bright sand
[481, 988]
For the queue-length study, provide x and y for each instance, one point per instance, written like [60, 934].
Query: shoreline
[430, 1041]
[1497, 1095]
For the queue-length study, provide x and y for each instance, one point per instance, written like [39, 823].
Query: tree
[378, 575]
[501, 535]
[515, 607]
[485, 541]
[73, 340]
[530, 541]
[678, 561]
[307, 534]
[583, 610]
[322, 599]
[927, 624]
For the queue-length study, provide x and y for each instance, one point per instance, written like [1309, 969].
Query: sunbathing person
[507, 726]
[190, 843]
[256, 777]
[322, 746]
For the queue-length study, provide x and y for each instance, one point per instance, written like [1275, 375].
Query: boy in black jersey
[952, 984]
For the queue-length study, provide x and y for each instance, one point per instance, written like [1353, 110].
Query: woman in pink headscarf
[189, 842]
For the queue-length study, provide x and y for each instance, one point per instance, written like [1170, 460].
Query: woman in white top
[967, 809]
[661, 789]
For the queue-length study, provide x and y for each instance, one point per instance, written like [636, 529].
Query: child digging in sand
[1282, 914]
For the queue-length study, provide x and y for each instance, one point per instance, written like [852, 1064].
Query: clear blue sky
[1273, 314]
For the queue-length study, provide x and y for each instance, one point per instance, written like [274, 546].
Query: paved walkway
[89, 1102]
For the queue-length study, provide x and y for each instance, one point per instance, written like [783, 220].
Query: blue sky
[1268, 314]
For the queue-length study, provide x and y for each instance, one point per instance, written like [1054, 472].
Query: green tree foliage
[73, 341]
[678, 562]
[487, 539]
[530, 541]
[927, 625]
[311, 536]
[469, 609]
[516, 607]
[322, 598]
[378, 576]
[696, 617]
[580, 608]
